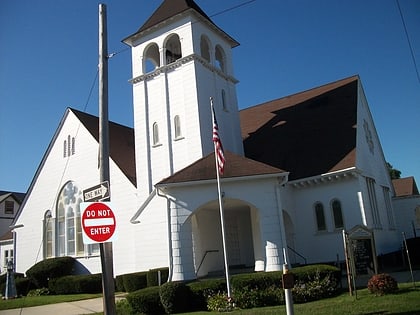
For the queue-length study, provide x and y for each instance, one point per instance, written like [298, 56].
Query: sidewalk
[90, 306]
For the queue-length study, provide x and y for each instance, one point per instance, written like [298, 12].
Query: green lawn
[29, 301]
[405, 302]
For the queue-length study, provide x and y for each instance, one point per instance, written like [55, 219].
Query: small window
[224, 104]
[177, 127]
[65, 149]
[337, 214]
[73, 146]
[220, 58]
[151, 58]
[155, 134]
[173, 49]
[320, 217]
[9, 207]
[205, 48]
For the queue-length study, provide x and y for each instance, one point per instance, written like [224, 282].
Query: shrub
[251, 298]
[153, 276]
[220, 303]
[134, 281]
[23, 286]
[382, 284]
[175, 297]
[260, 280]
[48, 269]
[315, 288]
[77, 284]
[146, 301]
[39, 292]
[119, 283]
[202, 290]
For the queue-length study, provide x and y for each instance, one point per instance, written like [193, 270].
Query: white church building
[299, 169]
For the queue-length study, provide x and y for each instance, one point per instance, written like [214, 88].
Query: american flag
[218, 145]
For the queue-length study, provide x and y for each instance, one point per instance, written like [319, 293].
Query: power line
[408, 40]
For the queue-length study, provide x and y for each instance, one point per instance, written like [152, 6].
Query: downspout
[168, 211]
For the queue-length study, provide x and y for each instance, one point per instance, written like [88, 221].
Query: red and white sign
[98, 222]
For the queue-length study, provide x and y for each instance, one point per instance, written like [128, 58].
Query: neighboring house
[299, 169]
[407, 206]
[9, 205]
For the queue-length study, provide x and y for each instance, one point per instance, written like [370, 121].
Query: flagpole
[222, 221]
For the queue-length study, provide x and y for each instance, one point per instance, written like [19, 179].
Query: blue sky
[49, 57]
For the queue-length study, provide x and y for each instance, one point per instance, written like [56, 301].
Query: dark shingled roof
[308, 133]
[121, 143]
[170, 8]
[405, 186]
[205, 169]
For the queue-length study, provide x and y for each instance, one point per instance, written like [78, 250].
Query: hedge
[51, 268]
[146, 301]
[76, 284]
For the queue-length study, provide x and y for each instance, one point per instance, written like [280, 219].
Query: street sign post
[96, 193]
[98, 222]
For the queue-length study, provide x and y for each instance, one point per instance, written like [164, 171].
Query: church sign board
[363, 253]
[98, 222]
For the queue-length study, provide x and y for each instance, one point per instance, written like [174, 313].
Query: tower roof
[170, 9]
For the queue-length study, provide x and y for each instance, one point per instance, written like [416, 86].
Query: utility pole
[108, 287]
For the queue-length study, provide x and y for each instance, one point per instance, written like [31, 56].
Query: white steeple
[180, 59]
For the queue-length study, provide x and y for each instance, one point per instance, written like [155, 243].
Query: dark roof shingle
[308, 133]
[405, 186]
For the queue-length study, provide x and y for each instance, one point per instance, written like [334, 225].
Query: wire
[408, 40]
[213, 15]
[232, 8]
[91, 90]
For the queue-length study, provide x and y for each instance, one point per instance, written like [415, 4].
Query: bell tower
[180, 59]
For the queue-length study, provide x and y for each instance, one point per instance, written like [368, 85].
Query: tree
[393, 172]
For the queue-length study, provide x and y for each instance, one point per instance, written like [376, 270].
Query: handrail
[202, 259]
[295, 252]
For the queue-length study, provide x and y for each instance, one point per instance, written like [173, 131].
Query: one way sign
[96, 193]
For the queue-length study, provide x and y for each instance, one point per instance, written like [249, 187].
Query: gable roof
[16, 195]
[121, 142]
[169, 9]
[235, 166]
[405, 186]
[308, 133]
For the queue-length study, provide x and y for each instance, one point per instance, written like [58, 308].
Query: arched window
[48, 225]
[151, 58]
[155, 134]
[173, 49]
[73, 146]
[224, 104]
[320, 217]
[65, 149]
[220, 58]
[205, 48]
[69, 232]
[177, 127]
[337, 214]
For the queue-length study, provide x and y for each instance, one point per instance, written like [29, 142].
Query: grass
[405, 302]
[29, 301]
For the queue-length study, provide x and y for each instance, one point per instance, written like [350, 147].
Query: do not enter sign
[98, 222]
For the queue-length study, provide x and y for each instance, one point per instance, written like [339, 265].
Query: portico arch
[239, 231]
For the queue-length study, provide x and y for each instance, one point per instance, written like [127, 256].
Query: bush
[146, 301]
[202, 290]
[48, 269]
[260, 280]
[153, 276]
[23, 286]
[315, 288]
[77, 284]
[134, 281]
[251, 298]
[119, 283]
[175, 297]
[220, 303]
[382, 284]
[39, 292]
